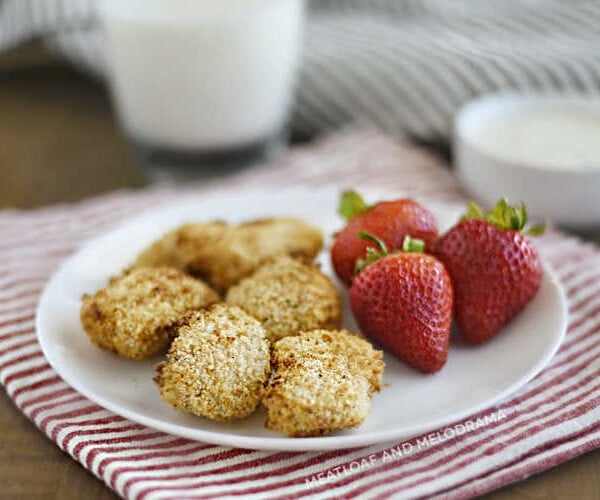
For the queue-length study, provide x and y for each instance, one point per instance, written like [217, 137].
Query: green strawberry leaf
[536, 230]
[500, 215]
[473, 211]
[352, 204]
[521, 213]
[503, 216]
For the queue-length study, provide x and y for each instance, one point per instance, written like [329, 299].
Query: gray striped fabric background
[403, 65]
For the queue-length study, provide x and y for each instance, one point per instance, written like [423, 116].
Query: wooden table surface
[59, 142]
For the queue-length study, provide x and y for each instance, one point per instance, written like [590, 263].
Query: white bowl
[540, 167]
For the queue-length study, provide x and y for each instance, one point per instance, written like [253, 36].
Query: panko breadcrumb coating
[133, 315]
[322, 382]
[224, 254]
[218, 364]
[287, 297]
[314, 397]
[363, 359]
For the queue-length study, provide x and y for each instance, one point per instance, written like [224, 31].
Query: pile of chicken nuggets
[247, 318]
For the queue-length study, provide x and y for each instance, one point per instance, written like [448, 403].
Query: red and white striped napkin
[552, 419]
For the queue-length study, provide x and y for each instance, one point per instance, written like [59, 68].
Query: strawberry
[403, 301]
[390, 221]
[495, 269]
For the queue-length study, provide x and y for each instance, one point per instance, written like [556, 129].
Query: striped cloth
[553, 418]
[403, 65]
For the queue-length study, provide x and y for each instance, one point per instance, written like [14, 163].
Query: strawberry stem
[409, 244]
[363, 235]
[352, 204]
[373, 254]
[413, 245]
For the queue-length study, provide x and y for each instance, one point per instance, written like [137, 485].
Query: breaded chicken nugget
[180, 247]
[133, 314]
[287, 297]
[322, 382]
[223, 254]
[218, 364]
[242, 249]
[363, 359]
[314, 397]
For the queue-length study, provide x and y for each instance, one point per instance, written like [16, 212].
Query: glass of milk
[203, 81]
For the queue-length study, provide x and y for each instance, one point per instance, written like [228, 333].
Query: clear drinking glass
[201, 83]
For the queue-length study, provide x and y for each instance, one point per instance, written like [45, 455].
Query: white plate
[410, 403]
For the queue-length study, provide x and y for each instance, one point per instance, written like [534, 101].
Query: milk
[554, 137]
[202, 74]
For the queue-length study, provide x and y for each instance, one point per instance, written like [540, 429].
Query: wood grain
[59, 142]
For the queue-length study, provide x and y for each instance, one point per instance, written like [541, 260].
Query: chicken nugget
[218, 364]
[314, 397]
[223, 254]
[288, 296]
[180, 247]
[133, 315]
[363, 359]
[317, 386]
[242, 249]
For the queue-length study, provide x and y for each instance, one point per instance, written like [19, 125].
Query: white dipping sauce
[202, 74]
[541, 149]
[551, 137]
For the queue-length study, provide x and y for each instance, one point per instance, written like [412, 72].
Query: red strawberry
[403, 301]
[390, 221]
[495, 269]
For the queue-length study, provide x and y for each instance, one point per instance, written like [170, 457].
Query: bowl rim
[496, 103]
